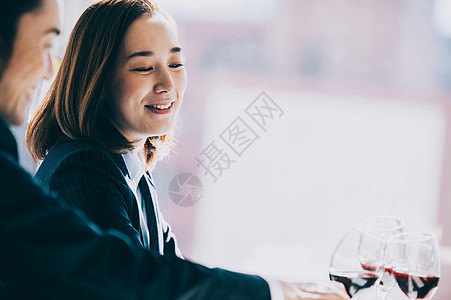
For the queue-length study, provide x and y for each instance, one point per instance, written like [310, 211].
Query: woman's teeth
[160, 106]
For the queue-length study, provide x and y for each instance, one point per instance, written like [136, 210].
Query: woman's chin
[160, 132]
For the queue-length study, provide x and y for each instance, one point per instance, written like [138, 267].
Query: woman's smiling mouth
[160, 108]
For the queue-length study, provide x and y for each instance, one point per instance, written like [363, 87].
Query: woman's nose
[165, 82]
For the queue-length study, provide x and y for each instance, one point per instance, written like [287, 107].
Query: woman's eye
[143, 69]
[176, 66]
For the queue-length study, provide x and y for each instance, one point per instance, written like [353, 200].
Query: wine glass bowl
[415, 263]
[384, 228]
[370, 252]
[345, 265]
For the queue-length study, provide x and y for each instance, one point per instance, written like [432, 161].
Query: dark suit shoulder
[82, 170]
[66, 149]
[89, 178]
[70, 152]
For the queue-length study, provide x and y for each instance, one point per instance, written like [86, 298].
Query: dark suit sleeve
[89, 180]
[53, 251]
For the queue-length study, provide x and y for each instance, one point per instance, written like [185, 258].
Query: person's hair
[10, 14]
[76, 104]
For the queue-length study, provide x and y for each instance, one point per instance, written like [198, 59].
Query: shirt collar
[135, 164]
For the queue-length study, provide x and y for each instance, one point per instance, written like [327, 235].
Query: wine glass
[345, 265]
[383, 228]
[415, 262]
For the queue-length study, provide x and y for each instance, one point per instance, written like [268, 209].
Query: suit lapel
[148, 196]
[119, 161]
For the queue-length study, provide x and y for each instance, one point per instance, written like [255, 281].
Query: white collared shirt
[136, 169]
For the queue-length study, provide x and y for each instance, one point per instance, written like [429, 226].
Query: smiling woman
[105, 82]
[109, 117]
[149, 81]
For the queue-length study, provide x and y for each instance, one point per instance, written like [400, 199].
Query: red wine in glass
[416, 285]
[386, 277]
[354, 281]
[369, 267]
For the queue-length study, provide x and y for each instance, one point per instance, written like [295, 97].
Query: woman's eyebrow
[140, 53]
[150, 53]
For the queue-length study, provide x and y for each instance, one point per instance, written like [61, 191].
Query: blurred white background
[365, 89]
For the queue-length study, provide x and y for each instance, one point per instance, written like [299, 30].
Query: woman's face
[149, 79]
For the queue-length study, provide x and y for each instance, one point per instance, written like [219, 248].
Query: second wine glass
[371, 255]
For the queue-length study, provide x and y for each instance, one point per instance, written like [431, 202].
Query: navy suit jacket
[92, 180]
[55, 252]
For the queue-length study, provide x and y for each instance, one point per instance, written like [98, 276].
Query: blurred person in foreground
[54, 252]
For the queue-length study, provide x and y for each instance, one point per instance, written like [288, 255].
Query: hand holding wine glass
[313, 291]
[415, 264]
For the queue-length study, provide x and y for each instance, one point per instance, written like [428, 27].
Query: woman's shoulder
[68, 146]
[68, 149]
[70, 154]
[88, 178]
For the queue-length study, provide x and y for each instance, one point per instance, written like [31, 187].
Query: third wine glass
[415, 263]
